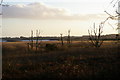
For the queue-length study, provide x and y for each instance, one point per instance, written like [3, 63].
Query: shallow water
[24, 40]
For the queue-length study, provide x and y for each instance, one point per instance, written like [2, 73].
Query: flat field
[79, 60]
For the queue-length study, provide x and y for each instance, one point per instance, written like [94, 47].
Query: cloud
[41, 11]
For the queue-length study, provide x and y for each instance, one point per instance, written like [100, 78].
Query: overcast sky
[54, 16]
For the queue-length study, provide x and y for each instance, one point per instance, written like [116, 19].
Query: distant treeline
[73, 38]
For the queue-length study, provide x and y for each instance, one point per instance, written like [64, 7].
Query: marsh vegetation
[81, 61]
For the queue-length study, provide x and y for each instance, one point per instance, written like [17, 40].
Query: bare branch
[111, 1]
[107, 13]
[96, 37]
[112, 17]
[117, 12]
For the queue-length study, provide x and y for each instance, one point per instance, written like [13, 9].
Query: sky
[53, 17]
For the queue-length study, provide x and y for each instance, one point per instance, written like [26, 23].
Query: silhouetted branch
[96, 37]
[69, 38]
[117, 13]
[62, 40]
[113, 17]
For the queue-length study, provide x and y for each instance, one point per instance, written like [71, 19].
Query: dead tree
[62, 40]
[30, 43]
[95, 35]
[37, 38]
[115, 16]
[69, 38]
[31, 39]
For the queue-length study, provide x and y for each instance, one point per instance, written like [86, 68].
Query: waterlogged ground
[78, 61]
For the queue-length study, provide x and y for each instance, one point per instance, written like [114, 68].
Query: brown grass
[80, 61]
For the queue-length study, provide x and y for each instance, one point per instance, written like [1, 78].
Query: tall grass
[80, 61]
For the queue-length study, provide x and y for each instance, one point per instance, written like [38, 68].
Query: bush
[51, 46]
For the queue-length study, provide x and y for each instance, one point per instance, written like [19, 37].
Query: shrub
[51, 46]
